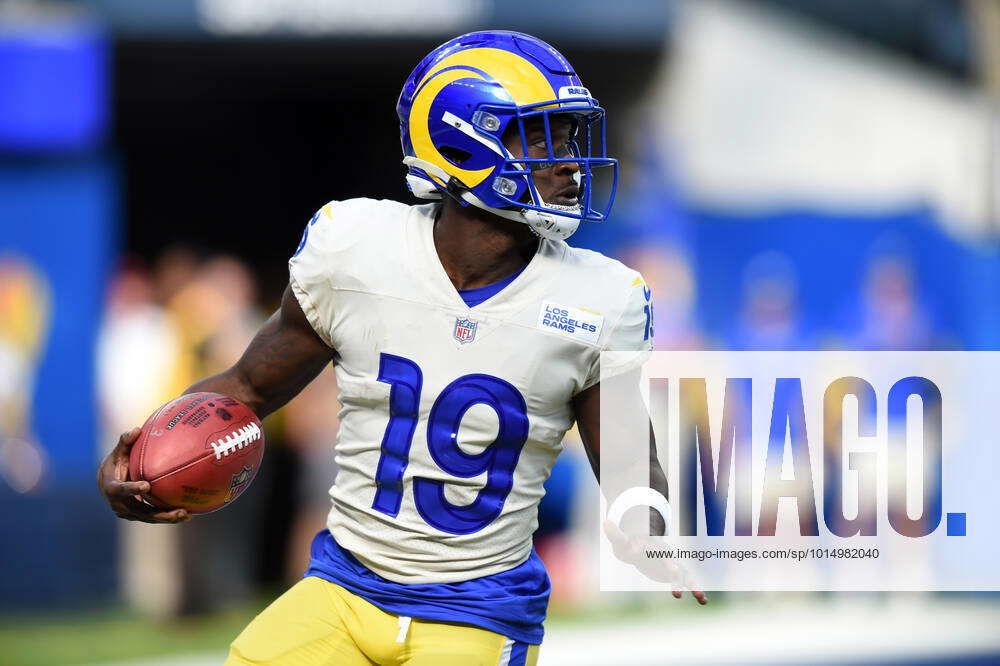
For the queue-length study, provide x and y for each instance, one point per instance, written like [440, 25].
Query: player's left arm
[587, 409]
[631, 334]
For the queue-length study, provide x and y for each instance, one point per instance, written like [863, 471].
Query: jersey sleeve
[632, 335]
[310, 272]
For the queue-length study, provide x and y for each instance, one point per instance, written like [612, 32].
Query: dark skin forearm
[628, 548]
[587, 408]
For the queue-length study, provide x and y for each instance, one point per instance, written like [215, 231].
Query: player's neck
[477, 248]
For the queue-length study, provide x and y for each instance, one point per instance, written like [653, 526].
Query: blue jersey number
[497, 460]
[405, 378]
[648, 309]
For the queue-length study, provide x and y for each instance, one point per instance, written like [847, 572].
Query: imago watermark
[824, 470]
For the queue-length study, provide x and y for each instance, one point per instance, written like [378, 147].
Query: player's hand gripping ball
[198, 452]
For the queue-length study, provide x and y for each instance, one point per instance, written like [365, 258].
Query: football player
[466, 337]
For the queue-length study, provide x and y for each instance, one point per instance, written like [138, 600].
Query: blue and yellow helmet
[456, 106]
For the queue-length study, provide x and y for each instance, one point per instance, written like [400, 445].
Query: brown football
[198, 452]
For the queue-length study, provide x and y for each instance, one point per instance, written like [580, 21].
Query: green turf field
[117, 635]
[109, 636]
[625, 631]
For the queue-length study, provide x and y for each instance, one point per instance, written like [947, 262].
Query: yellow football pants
[319, 623]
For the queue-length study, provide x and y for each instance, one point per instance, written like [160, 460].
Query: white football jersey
[452, 416]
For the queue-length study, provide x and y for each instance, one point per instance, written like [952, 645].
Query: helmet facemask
[512, 192]
[515, 183]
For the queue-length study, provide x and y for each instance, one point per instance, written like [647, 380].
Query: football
[198, 452]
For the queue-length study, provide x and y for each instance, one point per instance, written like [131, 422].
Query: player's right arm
[284, 356]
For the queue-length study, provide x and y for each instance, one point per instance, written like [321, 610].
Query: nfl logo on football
[465, 330]
[239, 479]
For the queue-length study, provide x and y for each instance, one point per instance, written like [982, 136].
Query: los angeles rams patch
[570, 322]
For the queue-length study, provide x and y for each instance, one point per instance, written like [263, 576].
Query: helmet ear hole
[454, 155]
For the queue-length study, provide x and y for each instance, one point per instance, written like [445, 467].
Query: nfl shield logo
[465, 330]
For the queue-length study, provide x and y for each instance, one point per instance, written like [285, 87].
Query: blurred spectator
[149, 352]
[889, 314]
[138, 362]
[216, 311]
[174, 269]
[769, 317]
[137, 351]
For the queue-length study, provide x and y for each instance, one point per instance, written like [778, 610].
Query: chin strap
[551, 226]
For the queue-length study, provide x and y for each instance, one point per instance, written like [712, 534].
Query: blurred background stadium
[798, 174]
